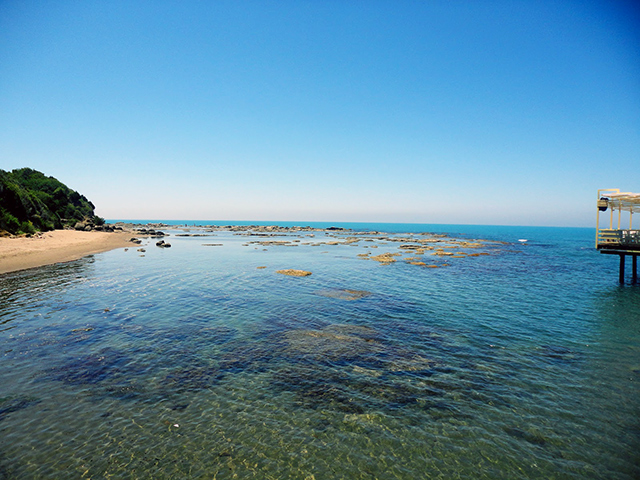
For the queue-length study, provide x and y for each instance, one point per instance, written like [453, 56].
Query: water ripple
[192, 362]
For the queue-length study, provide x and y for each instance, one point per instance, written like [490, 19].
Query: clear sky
[483, 112]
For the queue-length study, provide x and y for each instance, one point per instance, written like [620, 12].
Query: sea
[409, 352]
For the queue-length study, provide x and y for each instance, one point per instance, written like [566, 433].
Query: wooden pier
[619, 241]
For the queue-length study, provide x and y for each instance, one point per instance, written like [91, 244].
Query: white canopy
[618, 200]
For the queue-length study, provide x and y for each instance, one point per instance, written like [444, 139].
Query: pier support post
[634, 253]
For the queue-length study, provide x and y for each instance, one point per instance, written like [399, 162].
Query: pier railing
[618, 239]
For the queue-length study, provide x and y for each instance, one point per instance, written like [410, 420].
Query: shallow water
[192, 362]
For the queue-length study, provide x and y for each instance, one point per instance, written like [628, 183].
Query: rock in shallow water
[385, 258]
[333, 343]
[294, 273]
[344, 294]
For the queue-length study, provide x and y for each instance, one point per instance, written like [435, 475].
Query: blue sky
[482, 112]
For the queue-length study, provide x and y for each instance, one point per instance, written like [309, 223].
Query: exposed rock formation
[294, 273]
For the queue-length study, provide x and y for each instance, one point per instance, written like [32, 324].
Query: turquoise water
[509, 360]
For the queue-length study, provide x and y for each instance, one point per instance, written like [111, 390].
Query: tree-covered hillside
[31, 201]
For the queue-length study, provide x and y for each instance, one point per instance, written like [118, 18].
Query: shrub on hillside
[31, 201]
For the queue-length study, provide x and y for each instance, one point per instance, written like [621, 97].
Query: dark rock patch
[532, 438]
[344, 294]
[10, 405]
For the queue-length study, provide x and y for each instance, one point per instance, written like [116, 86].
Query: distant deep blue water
[510, 360]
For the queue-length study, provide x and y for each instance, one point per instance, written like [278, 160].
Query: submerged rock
[333, 343]
[349, 368]
[93, 369]
[356, 391]
[344, 294]
[535, 438]
[10, 405]
[191, 378]
[557, 354]
[410, 363]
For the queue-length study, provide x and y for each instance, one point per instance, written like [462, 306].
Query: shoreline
[56, 246]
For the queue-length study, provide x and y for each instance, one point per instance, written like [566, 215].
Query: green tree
[31, 201]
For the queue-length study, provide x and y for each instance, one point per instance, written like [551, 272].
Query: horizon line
[222, 222]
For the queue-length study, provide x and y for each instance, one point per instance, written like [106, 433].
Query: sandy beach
[55, 247]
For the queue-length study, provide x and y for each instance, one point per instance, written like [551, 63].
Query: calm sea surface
[506, 359]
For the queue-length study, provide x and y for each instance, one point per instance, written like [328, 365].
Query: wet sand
[55, 247]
